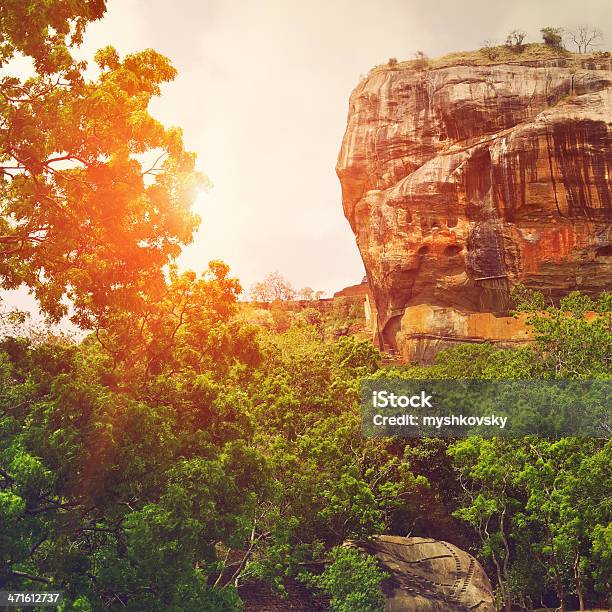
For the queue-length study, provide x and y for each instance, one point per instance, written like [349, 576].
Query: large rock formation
[461, 181]
[428, 575]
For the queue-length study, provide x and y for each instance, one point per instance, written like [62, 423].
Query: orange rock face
[460, 182]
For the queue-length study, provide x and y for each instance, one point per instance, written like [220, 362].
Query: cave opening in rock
[452, 250]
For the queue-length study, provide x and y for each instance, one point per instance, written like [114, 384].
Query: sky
[262, 96]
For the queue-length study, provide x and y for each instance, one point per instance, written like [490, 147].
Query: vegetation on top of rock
[515, 39]
[552, 36]
[491, 54]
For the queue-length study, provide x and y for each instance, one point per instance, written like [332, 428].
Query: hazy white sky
[262, 95]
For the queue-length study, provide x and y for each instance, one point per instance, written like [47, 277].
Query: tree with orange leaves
[95, 194]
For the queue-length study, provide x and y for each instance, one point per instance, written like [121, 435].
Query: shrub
[352, 581]
[489, 49]
[515, 39]
[311, 316]
[392, 61]
[421, 60]
[281, 318]
[552, 36]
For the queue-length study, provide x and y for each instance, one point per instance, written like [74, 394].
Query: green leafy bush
[352, 581]
[552, 36]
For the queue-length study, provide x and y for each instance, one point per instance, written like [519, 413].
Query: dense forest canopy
[182, 450]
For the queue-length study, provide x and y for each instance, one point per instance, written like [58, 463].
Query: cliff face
[461, 181]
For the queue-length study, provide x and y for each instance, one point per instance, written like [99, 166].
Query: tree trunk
[558, 580]
[507, 601]
[578, 581]
[507, 606]
[560, 594]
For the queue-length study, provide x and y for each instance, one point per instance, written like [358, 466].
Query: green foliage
[480, 361]
[602, 557]
[137, 477]
[573, 340]
[343, 318]
[352, 581]
[312, 316]
[46, 31]
[186, 327]
[129, 478]
[552, 36]
[102, 495]
[539, 508]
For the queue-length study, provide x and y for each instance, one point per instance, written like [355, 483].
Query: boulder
[460, 181]
[429, 575]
